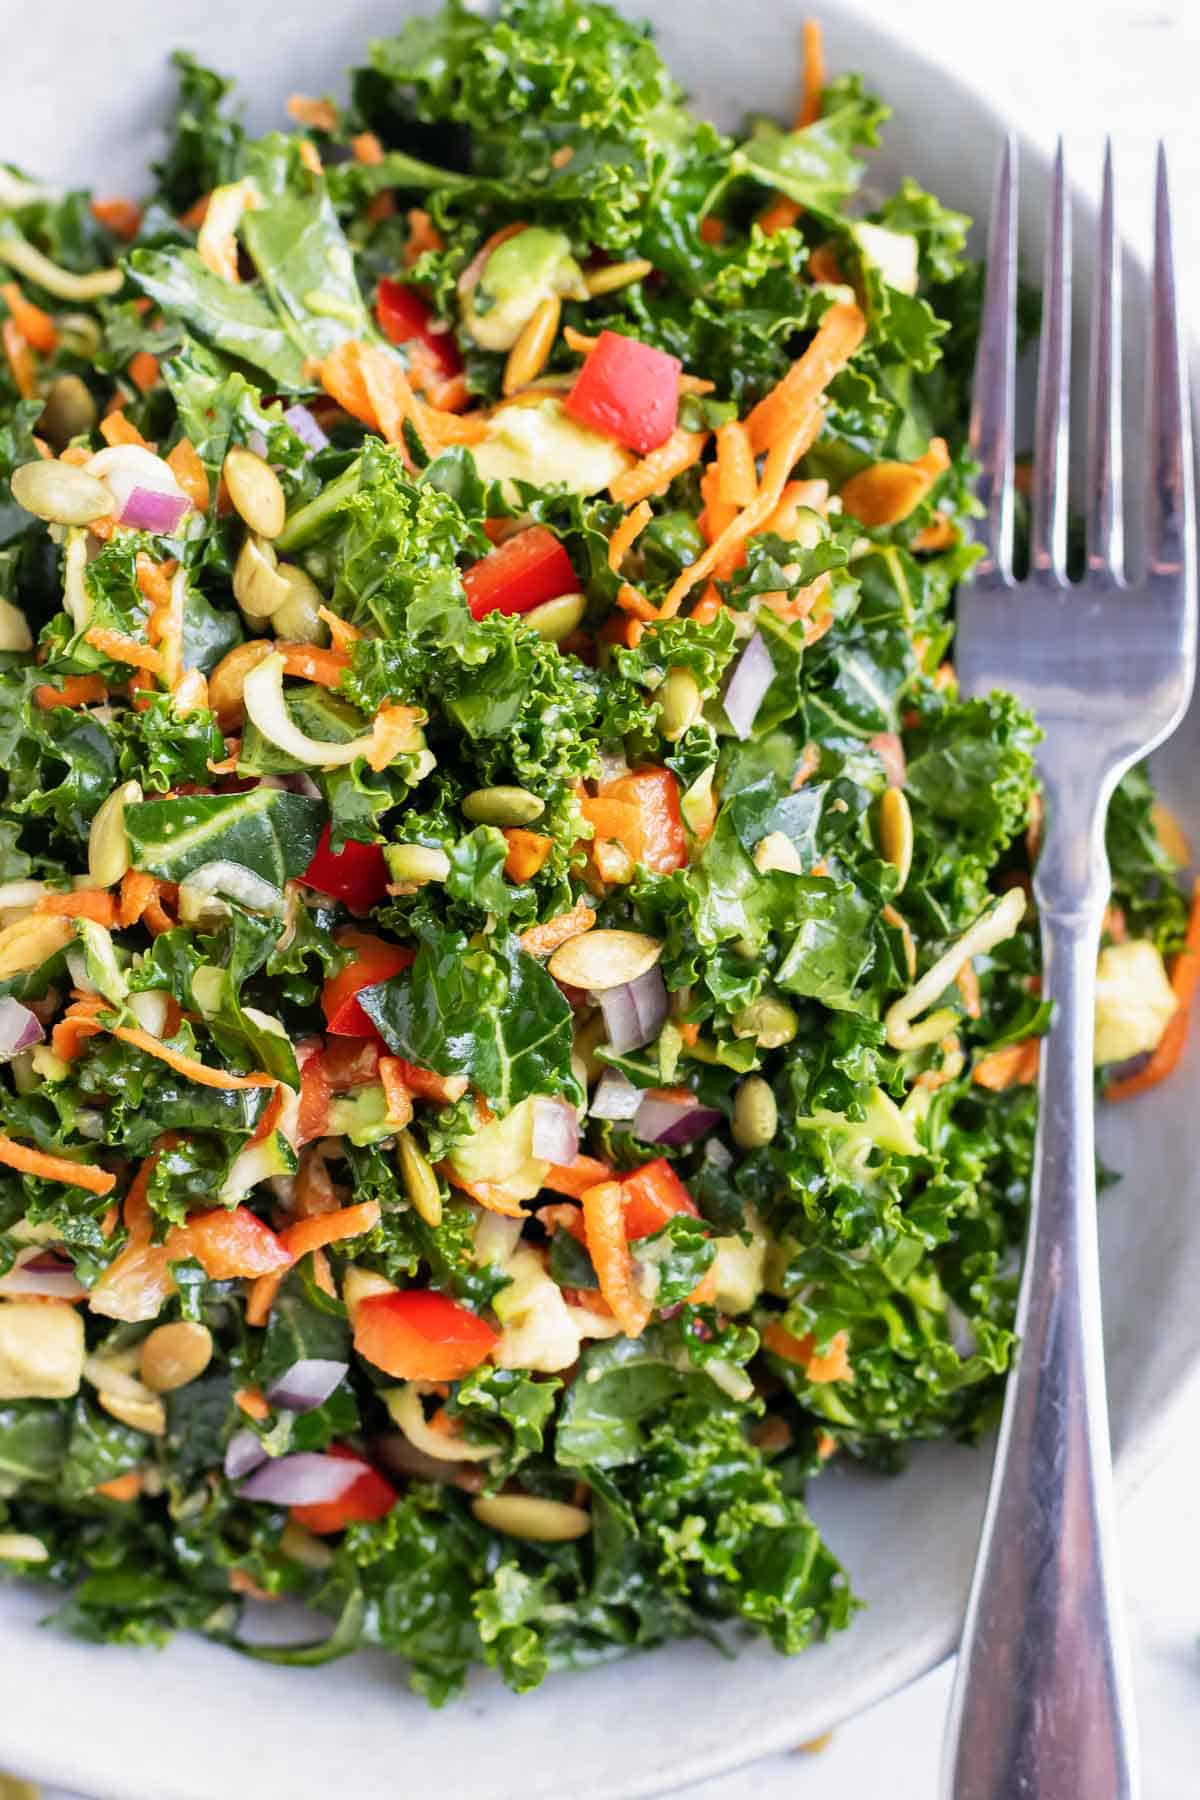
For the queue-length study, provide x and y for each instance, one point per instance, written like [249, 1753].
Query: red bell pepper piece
[368, 1498]
[418, 1335]
[313, 1117]
[404, 316]
[351, 1063]
[357, 875]
[372, 961]
[654, 1194]
[524, 571]
[655, 794]
[629, 391]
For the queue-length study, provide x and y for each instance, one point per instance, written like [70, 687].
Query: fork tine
[1105, 531]
[1048, 529]
[1170, 524]
[991, 435]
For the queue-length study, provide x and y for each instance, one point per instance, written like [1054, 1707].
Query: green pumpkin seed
[298, 618]
[679, 704]
[772, 1023]
[417, 863]
[597, 960]
[69, 412]
[526, 1516]
[255, 491]
[616, 275]
[503, 806]
[108, 844]
[557, 619]
[80, 334]
[60, 493]
[896, 832]
[420, 1182]
[755, 1114]
[258, 583]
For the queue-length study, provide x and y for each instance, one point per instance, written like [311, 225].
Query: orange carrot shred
[627, 533]
[137, 891]
[29, 1161]
[120, 648]
[312, 662]
[185, 464]
[20, 358]
[76, 690]
[143, 370]
[84, 903]
[318, 115]
[115, 428]
[1185, 978]
[656, 471]
[329, 1228]
[814, 75]
[608, 1246]
[391, 732]
[366, 147]
[737, 479]
[201, 1073]
[122, 217]
[251, 1400]
[340, 630]
[838, 336]
[125, 1487]
[541, 940]
[35, 326]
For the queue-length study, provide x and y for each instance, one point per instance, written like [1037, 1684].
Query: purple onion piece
[555, 1131]
[256, 441]
[306, 427]
[299, 781]
[747, 686]
[615, 1097]
[306, 1478]
[673, 1122]
[20, 1029]
[308, 1383]
[635, 1013]
[150, 510]
[45, 1275]
[243, 1454]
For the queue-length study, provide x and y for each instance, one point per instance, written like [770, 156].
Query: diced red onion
[636, 1012]
[718, 1154]
[299, 781]
[256, 441]
[615, 1097]
[306, 427]
[307, 1383]
[243, 1454]
[151, 511]
[44, 1274]
[674, 1122]
[555, 1130]
[19, 1028]
[747, 686]
[306, 1478]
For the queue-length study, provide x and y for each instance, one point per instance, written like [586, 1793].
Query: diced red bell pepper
[628, 391]
[229, 1243]
[404, 316]
[371, 962]
[313, 1117]
[351, 1063]
[655, 793]
[524, 571]
[654, 1194]
[357, 875]
[368, 1498]
[418, 1335]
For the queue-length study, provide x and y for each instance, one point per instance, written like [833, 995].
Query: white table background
[1086, 68]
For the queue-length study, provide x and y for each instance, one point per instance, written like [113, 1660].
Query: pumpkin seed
[772, 1023]
[417, 863]
[617, 275]
[227, 683]
[597, 960]
[503, 806]
[298, 618]
[108, 843]
[69, 412]
[529, 354]
[80, 334]
[557, 619]
[175, 1354]
[259, 586]
[679, 704]
[896, 832]
[525, 1516]
[301, 1545]
[60, 493]
[755, 1114]
[255, 491]
[149, 1416]
[21, 1546]
[14, 627]
[420, 1182]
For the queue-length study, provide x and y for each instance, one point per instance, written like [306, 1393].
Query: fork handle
[1042, 1706]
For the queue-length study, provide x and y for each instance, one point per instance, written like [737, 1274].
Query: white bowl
[84, 97]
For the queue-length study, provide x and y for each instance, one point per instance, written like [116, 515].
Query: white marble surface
[1087, 69]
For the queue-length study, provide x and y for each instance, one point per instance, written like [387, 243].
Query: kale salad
[519, 999]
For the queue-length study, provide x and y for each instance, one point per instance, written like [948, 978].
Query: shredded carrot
[20, 359]
[251, 1400]
[35, 326]
[574, 1179]
[889, 491]
[310, 662]
[122, 1487]
[631, 600]
[712, 229]
[366, 147]
[654, 473]
[143, 371]
[137, 891]
[941, 533]
[310, 156]
[185, 464]
[344, 634]
[318, 115]
[1011, 1066]
[814, 75]
[391, 732]
[541, 940]
[70, 1035]
[833, 1365]
[397, 1095]
[487, 1193]
[778, 215]
[967, 983]
[187, 1066]
[797, 497]
[824, 268]
[83, 903]
[716, 515]
[29, 1161]
[156, 918]
[838, 336]
[329, 1228]
[76, 690]
[120, 648]
[579, 341]
[737, 478]
[1185, 978]
[608, 1246]
[259, 1302]
[120, 216]
[626, 534]
[154, 579]
[369, 382]
[423, 236]
[115, 428]
[527, 852]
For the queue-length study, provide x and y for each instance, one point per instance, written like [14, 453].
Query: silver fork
[1042, 1706]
